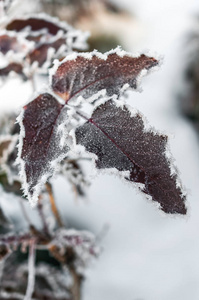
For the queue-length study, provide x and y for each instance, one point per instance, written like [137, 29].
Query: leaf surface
[13, 67]
[40, 53]
[89, 73]
[120, 141]
[35, 24]
[41, 142]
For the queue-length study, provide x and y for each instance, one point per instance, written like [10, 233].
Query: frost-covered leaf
[120, 141]
[87, 74]
[36, 23]
[42, 27]
[40, 142]
[46, 37]
[13, 67]
[40, 53]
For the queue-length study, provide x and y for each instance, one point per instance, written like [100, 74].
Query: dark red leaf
[87, 74]
[41, 144]
[40, 53]
[120, 141]
[35, 24]
[13, 67]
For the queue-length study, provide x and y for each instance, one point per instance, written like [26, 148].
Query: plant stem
[42, 216]
[76, 285]
[31, 271]
[53, 205]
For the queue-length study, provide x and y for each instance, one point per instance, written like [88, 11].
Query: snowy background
[146, 255]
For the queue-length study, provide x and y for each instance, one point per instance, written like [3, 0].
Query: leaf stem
[31, 270]
[42, 216]
[76, 286]
[53, 205]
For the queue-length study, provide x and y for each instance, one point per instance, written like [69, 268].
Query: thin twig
[53, 205]
[76, 285]
[31, 270]
[42, 216]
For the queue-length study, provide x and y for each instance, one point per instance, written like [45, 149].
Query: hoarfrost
[86, 74]
[39, 146]
[82, 243]
[43, 38]
[120, 141]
